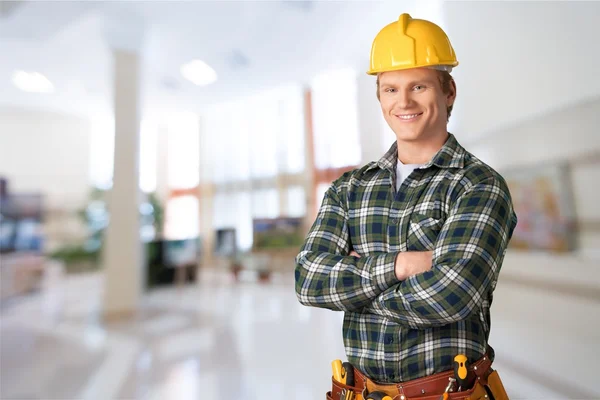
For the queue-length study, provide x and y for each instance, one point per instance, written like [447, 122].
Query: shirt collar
[451, 155]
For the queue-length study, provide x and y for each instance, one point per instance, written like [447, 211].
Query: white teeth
[407, 116]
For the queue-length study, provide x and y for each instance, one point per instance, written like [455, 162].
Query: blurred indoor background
[160, 163]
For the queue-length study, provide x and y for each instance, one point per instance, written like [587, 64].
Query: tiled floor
[211, 340]
[222, 340]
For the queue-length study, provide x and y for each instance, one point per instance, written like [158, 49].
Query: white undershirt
[403, 171]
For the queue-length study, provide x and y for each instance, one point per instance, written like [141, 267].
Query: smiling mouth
[408, 117]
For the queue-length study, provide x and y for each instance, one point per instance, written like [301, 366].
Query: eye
[418, 88]
[389, 90]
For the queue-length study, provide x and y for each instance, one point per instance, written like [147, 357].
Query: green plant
[95, 216]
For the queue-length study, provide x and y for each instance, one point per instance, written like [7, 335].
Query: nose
[403, 99]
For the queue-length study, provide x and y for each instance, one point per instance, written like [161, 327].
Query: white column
[123, 253]
[309, 160]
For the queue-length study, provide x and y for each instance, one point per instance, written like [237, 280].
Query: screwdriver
[460, 370]
[445, 395]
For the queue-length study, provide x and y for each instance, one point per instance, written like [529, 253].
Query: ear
[451, 96]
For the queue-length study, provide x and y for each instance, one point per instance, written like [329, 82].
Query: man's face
[413, 103]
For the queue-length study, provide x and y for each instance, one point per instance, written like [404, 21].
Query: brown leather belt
[433, 385]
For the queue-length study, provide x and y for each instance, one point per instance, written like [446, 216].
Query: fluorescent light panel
[32, 82]
[198, 72]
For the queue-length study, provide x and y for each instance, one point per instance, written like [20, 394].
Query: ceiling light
[198, 72]
[32, 82]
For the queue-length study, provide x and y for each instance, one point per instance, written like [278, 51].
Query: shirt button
[390, 340]
[394, 221]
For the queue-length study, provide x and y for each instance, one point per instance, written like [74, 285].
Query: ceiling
[517, 59]
[251, 45]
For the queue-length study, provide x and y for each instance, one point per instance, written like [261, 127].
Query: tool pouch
[490, 388]
[486, 388]
[477, 392]
[339, 390]
[495, 386]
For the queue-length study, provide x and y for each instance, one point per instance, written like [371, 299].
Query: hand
[354, 254]
[412, 263]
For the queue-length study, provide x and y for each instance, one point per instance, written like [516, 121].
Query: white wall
[521, 58]
[45, 152]
[545, 316]
[568, 135]
[48, 153]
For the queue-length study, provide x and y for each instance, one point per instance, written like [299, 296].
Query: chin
[409, 136]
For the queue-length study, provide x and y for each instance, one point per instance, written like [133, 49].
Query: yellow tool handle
[336, 369]
[460, 369]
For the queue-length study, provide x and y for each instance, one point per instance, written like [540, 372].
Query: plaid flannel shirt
[394, 330]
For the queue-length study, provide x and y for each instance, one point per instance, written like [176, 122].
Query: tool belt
[483, 383]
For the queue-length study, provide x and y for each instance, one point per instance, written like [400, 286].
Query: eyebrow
[411, 83]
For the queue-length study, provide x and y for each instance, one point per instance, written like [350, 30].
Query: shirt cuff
[383, 270]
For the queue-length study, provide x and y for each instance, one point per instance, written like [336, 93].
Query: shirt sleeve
[467, 258]
[326, 276]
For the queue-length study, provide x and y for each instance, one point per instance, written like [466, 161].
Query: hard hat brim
[449, 65]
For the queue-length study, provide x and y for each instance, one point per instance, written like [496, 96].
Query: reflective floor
[213, 340]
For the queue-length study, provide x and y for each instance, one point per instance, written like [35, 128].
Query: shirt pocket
[423, 231]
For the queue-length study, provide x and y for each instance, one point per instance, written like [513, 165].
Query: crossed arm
[412, 288]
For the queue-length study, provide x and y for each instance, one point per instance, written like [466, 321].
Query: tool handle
[461, 371]
[347, 374]
[336, 370]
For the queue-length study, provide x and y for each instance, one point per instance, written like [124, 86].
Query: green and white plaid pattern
[393, 330]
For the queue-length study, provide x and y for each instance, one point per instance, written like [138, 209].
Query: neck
[420, 152]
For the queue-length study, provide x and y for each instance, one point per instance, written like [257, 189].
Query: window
[183, 151]
[233, 210]
[335, 119]
[182, 216]
[265, 203]
[102, 152]
[296, 201]
[148, 155]
[245, 145]
[291, 130]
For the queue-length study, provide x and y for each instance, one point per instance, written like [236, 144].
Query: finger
[354, 254]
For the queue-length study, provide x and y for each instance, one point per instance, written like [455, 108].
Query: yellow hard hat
[411, 43]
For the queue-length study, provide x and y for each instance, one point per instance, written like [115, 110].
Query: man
[410, 247]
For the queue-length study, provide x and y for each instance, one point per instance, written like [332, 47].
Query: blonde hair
[445, 82]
